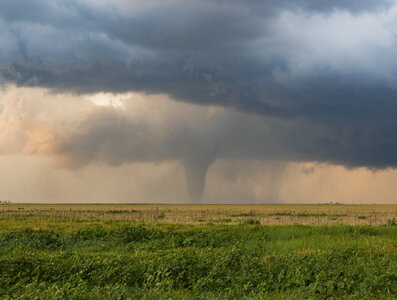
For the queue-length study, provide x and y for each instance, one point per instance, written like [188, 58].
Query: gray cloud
[162, 130]
[154, 131]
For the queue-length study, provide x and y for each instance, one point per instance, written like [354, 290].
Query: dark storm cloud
[324, 70]
[116, 136]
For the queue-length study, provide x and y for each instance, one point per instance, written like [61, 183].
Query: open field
[42, 215]
[198, 252]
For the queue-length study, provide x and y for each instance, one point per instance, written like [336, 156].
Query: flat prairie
[42, 215]
[118, 251]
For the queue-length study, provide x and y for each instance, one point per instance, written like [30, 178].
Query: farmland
[198, 251]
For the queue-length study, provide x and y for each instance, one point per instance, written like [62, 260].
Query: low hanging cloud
[156, 129]
[139, 129]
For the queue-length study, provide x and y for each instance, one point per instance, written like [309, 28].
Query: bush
[392, 222]
[251, 222]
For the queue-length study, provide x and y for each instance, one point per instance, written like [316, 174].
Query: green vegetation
[161, 261]
[251, 222]
[198, 252]
[248, 214]
[392, 222]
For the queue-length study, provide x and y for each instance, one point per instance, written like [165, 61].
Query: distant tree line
[335, 203]
[5, 201]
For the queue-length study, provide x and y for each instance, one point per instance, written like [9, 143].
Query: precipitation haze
[198, 101]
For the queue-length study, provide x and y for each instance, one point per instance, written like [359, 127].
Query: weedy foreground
[65, 252]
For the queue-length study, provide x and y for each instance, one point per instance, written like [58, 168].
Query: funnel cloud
[196, 173]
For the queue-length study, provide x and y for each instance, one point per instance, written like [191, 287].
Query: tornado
[196, 171]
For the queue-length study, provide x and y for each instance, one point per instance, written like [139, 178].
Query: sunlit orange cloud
[34, 121]
[42, 139]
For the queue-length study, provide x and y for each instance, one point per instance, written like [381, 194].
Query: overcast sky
[216, 101]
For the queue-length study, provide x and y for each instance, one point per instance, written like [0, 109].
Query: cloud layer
[276, 80]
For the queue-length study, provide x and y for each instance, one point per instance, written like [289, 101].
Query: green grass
[249, 214]
[162, 261]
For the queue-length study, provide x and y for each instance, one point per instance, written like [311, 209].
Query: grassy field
[42, 215]
[198, 252]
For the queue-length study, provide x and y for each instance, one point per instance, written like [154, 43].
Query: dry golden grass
[43, 215]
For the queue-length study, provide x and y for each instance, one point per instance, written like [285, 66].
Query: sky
[198, 101]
